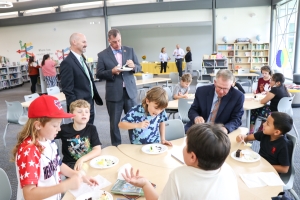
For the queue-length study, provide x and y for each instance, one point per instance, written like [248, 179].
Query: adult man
[76, 79]
[218, 103]
[121, 91]
[179, 54]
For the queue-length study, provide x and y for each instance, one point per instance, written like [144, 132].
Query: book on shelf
[122, 187]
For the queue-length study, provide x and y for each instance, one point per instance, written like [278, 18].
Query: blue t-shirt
[147, 135]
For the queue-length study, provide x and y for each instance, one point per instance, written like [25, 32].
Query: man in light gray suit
[121, 91]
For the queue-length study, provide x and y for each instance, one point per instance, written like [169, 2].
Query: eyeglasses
[224, 89]
[131, 197]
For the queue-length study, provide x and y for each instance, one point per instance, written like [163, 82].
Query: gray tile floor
[101, 122]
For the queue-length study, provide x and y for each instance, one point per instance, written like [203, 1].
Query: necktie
[117, 51]
[88, 74]
[215, 111]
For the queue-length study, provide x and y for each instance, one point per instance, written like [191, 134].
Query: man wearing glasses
[218, 103]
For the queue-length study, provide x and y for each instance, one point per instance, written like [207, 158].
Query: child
[181, 90]
[263, 84]
[80, 141]
[206, 175]
[148, 119]
[37, 160]
[274, 145]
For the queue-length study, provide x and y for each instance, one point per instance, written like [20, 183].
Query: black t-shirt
[188, 57]
[76, 144]
[277, 152]
[279, 92]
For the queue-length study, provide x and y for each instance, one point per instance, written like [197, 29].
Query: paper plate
[154, 148]
[102, 162]
[95, 195]
[247, 156]
[125, 69]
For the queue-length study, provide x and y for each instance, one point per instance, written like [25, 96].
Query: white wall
[237, 23]
[149, 41]
[49, 37]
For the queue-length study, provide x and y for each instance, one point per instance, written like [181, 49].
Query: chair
[14, 115]
[174, 76]
[288, 178]
[245, 81]
[5, 189]
[174, 129]
[140, 90]
[145, 77]
[53, 90]
[183, 109]
[170, 98]
[199, 84]
[31, 96]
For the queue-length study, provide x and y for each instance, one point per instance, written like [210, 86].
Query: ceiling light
[6, 4]
[8, 15]
[80, 6]
[39, 11]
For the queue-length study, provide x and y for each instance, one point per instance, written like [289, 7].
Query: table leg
[167, 83]
[248, 119]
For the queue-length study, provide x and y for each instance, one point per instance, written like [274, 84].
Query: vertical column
[272, 41]
[297, 44]
[105, 22]
[214, 25]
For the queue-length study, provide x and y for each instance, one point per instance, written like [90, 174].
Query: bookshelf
[245, 55]
[24, 71]
[208, 66]
[10, 76]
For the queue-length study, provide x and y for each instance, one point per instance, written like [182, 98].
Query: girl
[278, 90]
[49, 71]
[263, 84]
[37, 160]
[147, 119]
[188, 60]
[33, 72]
[163, 57]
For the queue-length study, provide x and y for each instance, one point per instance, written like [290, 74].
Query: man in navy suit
[230, 109]
[121, 90]
[76, 79]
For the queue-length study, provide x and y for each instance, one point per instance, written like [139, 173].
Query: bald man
[76, 78]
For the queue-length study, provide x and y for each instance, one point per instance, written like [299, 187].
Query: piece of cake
[238, 153]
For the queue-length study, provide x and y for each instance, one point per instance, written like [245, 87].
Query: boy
[274, 145]
[181, 90]
[206, 176]
[80, 141]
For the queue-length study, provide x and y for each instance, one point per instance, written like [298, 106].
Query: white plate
[102, 162]
[125, 69]
[95, 195]
[154, 148]
[248, 156]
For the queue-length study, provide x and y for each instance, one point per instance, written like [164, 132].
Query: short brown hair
[157, 95]
[210, 145]
[78, 104]
[162, 49]
[188, 48]
[113, 32]
[266, 68]
[186, 78]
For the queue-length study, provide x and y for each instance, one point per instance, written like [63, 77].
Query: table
[167, 161]
[154, 67]
[60, 96]
[252, 75]
[160, 176]
[153, 80]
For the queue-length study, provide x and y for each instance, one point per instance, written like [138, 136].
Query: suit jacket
[230, 110]
[114, 83]
[75, 83]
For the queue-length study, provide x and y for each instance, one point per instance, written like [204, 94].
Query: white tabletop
[152, 80]
[60, 96]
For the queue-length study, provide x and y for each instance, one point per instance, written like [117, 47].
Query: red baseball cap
[47, 106]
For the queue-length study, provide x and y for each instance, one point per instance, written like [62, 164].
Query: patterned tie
[117, 51]
[215, 111]
[88, 74]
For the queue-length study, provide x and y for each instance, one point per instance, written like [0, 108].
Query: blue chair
[174, 129]
[5, 189]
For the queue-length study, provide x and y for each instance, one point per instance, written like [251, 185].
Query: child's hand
[240, 138]
[74, 181]
[166, 142]
[143, 124]
[186, 96]
[135, 179]
[179, 94]
[78, 164]
[89, 181]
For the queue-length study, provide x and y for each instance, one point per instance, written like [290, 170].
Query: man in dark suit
[218, 103]
[76, 78]
[121, 91]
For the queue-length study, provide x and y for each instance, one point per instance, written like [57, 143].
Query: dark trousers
[163, 66]
[92, 111]
[114, 110]
[33, 79]
[179, 65]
